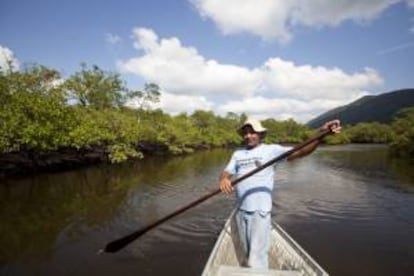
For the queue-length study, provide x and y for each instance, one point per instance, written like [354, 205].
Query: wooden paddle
[120, 243]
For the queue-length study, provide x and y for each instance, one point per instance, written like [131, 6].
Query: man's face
[251, 138]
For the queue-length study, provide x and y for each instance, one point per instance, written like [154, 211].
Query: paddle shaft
[120, 243]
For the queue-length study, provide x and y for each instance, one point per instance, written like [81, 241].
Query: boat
[286, 257]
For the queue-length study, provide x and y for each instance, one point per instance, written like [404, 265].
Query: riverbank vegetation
[46, 121]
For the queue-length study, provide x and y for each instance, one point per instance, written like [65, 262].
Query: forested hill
[380, 108]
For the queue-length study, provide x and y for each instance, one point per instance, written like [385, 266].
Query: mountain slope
[380, 108]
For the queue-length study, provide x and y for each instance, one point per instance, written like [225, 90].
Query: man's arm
[334, 126]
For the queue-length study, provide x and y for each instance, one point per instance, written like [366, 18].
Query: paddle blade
[118, 244]
[115, 246]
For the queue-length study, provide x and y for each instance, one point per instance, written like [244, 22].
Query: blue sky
[267, 58]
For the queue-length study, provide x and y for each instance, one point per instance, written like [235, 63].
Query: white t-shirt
[255, 192]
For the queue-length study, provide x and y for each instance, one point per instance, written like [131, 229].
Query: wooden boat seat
[225, 270]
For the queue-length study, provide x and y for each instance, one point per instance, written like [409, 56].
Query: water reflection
[35, 211]
[346, 206]
[41, 213]
[351, 207]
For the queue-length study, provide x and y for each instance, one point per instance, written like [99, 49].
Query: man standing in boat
[254, 194]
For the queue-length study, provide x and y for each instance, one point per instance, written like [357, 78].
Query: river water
[350, 207]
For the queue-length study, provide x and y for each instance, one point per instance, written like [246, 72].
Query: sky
[265, 58]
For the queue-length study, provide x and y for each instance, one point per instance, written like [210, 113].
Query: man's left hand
[334, 126]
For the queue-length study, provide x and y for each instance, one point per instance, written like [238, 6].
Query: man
[254, 194]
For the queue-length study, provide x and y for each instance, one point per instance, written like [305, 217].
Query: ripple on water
[329, 194]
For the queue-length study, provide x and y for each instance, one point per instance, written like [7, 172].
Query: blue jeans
[254, 230]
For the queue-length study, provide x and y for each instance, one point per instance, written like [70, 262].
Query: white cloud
[6, 56]
[267, 19]
[183, 103]
[180, 69]
[280, 108]
[306, 82]
[175, 104]
[271, 19]
[144, 39]
[332, 13]
[278, 88]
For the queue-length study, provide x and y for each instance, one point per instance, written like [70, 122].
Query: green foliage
[121, 152]
[116, 131]
[41, 113]
[362, 133]
[338, 139]
[144, 99]
[287, 131]
[181, 134]
[34, 114]
[369, 133]
[96, 88]
[403, 126]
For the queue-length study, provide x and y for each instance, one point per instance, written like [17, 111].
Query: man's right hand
[225, 183]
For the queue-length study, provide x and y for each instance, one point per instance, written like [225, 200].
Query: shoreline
[27, 163]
